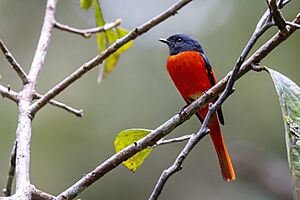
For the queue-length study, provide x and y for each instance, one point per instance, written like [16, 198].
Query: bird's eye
[178, 40]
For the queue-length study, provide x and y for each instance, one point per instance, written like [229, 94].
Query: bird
[192, 74]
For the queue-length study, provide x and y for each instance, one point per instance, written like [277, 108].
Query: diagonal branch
[293, 24]
[14, 64]
[12, 95]
[86, 33]
[277, 16]
[41, 50]
[8, 93]
[103, 55]
[40, 195]
[172, 123]
[11, 172]
[61, 105]
[176, 166]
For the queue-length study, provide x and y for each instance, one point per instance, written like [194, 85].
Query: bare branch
[282, 3]
[258, 68]
[297, 26]
[267, 17]
[103, 55]
[14, 64]
[11, 172]
[23, 133]
[61, 105]
[172, 123]
[12, 95]
[176, 166]
[8, 93]
[86, 33]
[172, 140]
[277, 16]
[41, 50]
[40, 195]
[8, 198]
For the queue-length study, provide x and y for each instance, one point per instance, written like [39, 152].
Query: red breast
[188, 72]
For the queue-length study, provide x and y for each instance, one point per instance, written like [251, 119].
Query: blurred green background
[139, 93]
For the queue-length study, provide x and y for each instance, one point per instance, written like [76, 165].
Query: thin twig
[176, 166]
[11, 172]
[172, 123]
[258, 68]
[293, 24]
[14, 64]
[86, 33]
[8, 93]
[12, 95]
[282, 3]
[172, 140]
[8, 198]
[103, 55]
[76, 112]
[277, 16]
[267, 18]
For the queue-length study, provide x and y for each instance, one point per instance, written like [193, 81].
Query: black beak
[164, 41]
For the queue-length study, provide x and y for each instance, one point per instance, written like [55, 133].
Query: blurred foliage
[289, 98]
[128, 137]
[139, 93]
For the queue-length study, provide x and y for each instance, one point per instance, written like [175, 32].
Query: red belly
[189, 74]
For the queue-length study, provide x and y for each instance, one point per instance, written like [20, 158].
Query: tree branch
[14, 64]
[23, 134]
[12, 95]
[176, 166]
[8, 93]
[172, 123]
[86, 33]
[293, 24]
[41, 50]
[11, 172]
[172, 140]
[40, 195]
[277, 16]
[103, 55]
[76, 112]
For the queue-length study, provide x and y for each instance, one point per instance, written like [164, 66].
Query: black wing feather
[212, 81]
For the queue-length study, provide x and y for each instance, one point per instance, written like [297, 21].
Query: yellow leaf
[128, 137]
[111, 61]
[121, 33]
[106, 38]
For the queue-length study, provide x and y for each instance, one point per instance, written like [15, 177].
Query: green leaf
[98, 13]
[128, 137]
[85, 4]
[101, 37]
[289, 98]
[104, 39]
[111, 61]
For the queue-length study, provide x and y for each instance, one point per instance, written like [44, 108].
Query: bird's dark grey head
[181, 42]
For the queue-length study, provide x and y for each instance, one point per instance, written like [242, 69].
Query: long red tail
[223, 156]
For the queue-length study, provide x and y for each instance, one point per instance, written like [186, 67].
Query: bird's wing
[213, 80]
